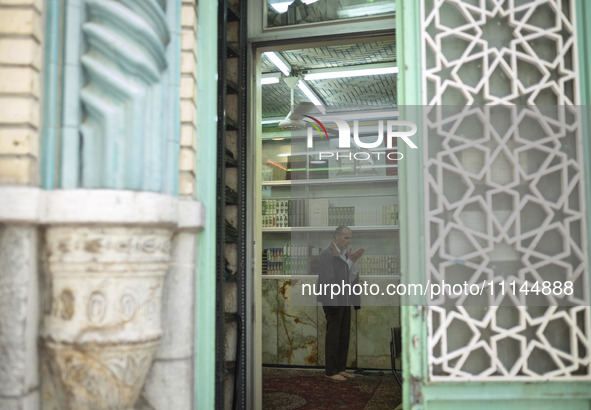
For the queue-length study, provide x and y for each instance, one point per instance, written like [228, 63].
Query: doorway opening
[306, 184]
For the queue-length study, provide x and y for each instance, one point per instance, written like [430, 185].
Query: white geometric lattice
[499, 52]
[509, 343]
[504, 189]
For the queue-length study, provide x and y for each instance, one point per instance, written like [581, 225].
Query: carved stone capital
[105, 256]
[102, 312]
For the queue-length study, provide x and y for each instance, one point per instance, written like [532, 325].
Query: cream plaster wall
[21, 55]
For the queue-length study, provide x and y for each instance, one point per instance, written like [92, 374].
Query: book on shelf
[318, 214]
[283, 213]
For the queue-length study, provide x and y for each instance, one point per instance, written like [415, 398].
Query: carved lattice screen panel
[504, 190]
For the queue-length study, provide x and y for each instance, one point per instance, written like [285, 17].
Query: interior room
[305, 195]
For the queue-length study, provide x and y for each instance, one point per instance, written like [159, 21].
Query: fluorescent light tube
[279, 62]
[351, 73]
[272, 78]
[368, 9]
[311, 96]
[269, 80]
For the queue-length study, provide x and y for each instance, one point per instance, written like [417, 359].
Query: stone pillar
[21, 55]
[19, 376]
[174, 358]
[104, 254]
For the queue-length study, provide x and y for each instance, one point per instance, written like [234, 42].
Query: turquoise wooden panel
[69, 96]
[567, 395]
[172, 105]
[206, 193]
[111, 101]
[412, 260]
[584, 48]
[506, 404]
[50, 93]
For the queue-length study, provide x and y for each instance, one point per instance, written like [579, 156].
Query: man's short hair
[340, 229]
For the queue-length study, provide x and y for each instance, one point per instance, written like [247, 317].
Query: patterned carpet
[286, 389]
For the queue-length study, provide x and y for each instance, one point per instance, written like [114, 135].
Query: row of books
[341, 215]
[376, 215]
[284, 213]
[321, 213]
[378, 265]
[292, 212]
[291, 259]
[296, 260]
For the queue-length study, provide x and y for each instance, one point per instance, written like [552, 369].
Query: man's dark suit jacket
[333, 269]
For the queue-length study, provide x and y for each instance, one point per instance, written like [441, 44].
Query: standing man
[338, 266]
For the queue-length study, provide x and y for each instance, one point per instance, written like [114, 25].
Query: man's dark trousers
[338, 326]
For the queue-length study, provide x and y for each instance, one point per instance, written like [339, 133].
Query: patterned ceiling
[377, 90]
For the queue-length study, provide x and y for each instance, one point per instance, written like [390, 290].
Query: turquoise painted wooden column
[414, 333]
[205, 300]
[584, 48]
[584, 51]
[50, 93]
[117, 122]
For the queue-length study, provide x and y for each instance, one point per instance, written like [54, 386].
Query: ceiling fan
[293, 120]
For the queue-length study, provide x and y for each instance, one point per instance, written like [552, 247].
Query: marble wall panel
[373, 335]
[269, 313]
[288, 329]
[297, 333]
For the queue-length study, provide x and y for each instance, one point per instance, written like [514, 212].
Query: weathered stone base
[96, 376]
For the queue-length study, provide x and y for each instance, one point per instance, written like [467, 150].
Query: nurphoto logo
[382, 137]
[318, 129]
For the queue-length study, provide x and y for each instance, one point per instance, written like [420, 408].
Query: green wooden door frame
[584, 54]
[584, 49]
[418, 393]
[205, 280]
[414, 329]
